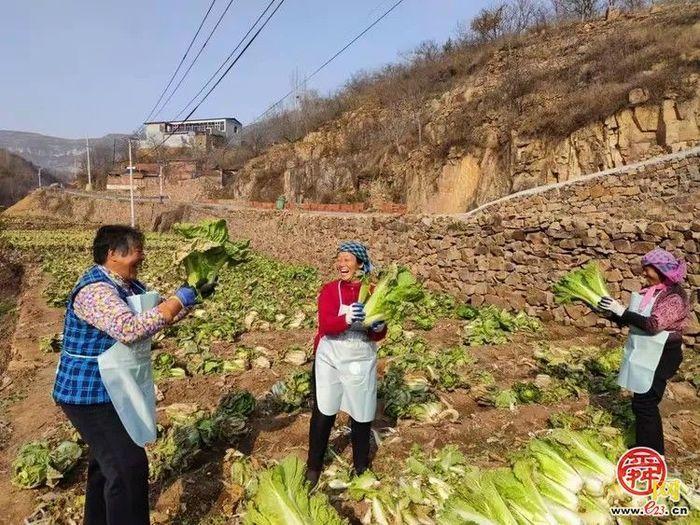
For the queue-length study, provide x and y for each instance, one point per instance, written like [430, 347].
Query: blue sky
[77, 67]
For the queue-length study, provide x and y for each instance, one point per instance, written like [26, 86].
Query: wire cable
[201, 49]
[182, 60]
[223, 64]
[223, 75]
[331, 59]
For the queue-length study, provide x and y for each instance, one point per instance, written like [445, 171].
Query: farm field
[461, 389]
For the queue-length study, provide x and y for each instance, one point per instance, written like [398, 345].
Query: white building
[175, 134]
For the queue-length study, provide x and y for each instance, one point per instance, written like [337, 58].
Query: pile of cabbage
[582, 367]
[291, 393]
[564, 476]
[410, 396]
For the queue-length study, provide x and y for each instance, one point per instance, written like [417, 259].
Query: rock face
[313, 170]
[508, 253]
[482, 137]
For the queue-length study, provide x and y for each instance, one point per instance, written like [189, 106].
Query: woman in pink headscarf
[657, 316]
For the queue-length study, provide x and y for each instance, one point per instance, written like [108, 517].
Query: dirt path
[26, 400]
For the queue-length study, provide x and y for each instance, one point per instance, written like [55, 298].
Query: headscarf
[670, 267]
[359, 250]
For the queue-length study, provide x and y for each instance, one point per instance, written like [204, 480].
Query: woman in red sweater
[345, 367]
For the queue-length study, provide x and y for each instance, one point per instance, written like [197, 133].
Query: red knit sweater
[329, 322]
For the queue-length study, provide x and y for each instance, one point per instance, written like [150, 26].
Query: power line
[182, 60]
[201, 49]
[223, 64]
[223, 75]
[331, 59]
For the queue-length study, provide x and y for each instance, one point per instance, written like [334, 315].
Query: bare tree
[581, 9]
[521, 15]
[489, 24]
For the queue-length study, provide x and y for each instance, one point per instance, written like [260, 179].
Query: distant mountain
[54, 153]
[18, 177]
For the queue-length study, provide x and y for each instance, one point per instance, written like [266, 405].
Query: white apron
[346, 372]
[642, 352]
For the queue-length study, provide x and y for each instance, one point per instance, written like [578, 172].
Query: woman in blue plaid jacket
[98, 316]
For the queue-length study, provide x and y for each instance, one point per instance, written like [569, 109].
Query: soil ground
[487, 435]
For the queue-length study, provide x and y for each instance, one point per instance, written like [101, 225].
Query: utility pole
[160, 181]
[40, 177]
[131, 188]
[87, 152]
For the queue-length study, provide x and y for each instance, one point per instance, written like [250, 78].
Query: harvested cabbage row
[562, 477]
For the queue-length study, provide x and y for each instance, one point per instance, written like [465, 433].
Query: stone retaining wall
[507, 254]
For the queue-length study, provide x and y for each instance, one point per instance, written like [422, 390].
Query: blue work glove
[358, 313]
[187, 295]
[378, 326]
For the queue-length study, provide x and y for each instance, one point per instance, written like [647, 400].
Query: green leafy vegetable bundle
[210, 250]
[585, 284]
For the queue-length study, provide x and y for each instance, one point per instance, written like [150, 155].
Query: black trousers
[648, 426]
[117, 478]
[320, 431]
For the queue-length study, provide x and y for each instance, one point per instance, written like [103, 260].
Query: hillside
[57, 154]
[18, 177]
[462, 124]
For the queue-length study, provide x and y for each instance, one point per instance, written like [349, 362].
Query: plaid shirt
[78, 378]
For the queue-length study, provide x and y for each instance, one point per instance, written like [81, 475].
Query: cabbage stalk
[553, 466]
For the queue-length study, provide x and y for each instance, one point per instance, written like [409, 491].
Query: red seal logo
[640, 470]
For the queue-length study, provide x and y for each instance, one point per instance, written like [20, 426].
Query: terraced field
[465, 396]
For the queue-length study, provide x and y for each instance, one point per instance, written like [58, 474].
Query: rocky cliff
[550, 106]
